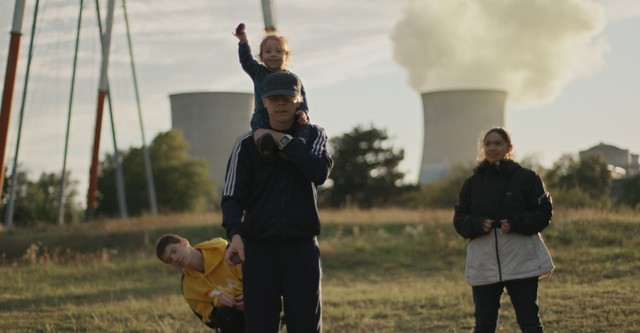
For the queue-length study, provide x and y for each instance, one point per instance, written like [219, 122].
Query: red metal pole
[9, 81]
[102, 93]
[93, 181]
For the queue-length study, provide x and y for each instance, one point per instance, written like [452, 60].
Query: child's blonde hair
[284, 45]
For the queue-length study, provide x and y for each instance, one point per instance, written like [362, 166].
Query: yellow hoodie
[201, 290]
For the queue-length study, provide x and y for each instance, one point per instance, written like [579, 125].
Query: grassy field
[384, 271]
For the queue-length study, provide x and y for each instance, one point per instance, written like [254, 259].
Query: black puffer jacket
[504, 191]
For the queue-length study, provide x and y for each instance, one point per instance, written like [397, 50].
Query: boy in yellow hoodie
[211, 287]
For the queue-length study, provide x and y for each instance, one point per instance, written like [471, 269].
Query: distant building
[453, 122]
[211, 122]
[621, 162]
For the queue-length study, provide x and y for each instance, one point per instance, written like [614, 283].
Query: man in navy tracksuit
[270, 214]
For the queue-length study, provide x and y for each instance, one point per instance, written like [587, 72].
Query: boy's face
[176, 254]
[281, 108]
[272, 55]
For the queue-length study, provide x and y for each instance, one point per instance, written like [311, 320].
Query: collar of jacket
[504, 166]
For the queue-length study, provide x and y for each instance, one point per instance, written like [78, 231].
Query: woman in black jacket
[502, 208]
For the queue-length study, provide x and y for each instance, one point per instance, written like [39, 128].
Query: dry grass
[384, 271]
[383, 216]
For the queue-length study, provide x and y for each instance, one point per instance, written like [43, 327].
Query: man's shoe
[266, 146]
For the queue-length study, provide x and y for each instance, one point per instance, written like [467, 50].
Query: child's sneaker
[266, 146]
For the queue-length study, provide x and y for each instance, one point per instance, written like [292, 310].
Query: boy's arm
[199, 303]
[201, 309]
[215, 297]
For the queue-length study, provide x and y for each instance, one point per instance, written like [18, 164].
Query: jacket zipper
[283, 230]
[495, 235]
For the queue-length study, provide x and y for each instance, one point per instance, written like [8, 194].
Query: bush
[577, 198]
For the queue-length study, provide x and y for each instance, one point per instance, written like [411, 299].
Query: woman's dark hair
[504, 134]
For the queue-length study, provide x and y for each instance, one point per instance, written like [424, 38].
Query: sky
[570, 69]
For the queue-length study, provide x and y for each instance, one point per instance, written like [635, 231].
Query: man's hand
[235, 248]
[239, 303]
[257, 134]
[262, 131]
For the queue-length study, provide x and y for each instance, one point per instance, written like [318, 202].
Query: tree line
[365, 175]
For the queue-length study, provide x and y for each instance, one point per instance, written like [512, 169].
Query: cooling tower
[211, 122]
[453, 122]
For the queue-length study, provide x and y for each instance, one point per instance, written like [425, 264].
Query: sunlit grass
[384, 271]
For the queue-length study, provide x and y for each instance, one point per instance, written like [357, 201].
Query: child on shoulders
[274, 56]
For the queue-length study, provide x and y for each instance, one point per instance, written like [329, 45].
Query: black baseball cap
[281, 83]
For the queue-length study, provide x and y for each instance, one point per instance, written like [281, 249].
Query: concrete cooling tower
[211, 122]
[453, 122]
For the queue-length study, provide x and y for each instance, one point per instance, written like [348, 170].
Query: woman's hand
[505, 226]
[487, 224]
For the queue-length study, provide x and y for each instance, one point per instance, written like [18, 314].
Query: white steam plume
[531, 49]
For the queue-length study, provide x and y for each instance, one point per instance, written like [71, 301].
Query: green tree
[441, 193]
[630, 194]
[37, 202]
[365, 171]
[182, 182]
[580, 182]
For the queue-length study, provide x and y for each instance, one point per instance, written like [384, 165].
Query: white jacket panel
[517, 257]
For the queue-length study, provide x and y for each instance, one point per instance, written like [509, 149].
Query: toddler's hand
[301, 117]
[240, 29]
[240, 33]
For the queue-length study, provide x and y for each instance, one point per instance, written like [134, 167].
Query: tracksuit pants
[524, 298]
[229, 320]
[284, 274]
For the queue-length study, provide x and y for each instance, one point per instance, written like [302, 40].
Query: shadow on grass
[90, 298]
